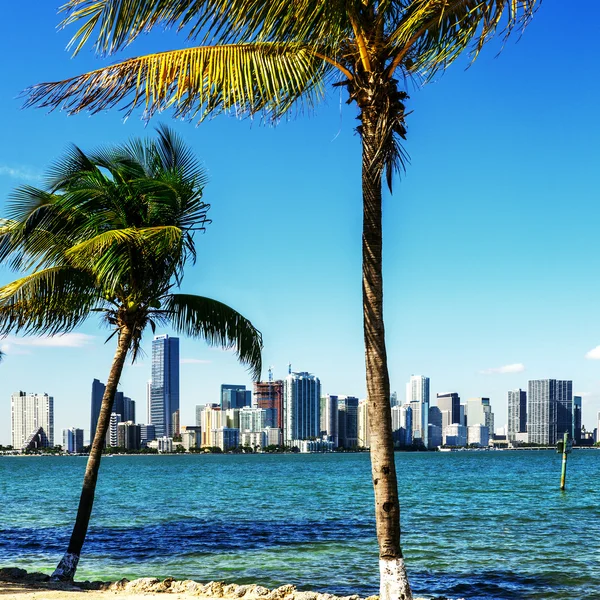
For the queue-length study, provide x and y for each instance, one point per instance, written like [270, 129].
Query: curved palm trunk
[394, 582]
[65, 571]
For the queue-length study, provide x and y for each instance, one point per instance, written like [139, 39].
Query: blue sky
[491, 246]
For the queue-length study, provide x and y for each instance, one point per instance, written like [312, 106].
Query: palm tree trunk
[65, 571]
[394, 581]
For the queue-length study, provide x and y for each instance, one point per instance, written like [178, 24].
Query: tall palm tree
[267, 56]
[111, 235]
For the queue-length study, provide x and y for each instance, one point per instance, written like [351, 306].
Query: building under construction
[269, 395]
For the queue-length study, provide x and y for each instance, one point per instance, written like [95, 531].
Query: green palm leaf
[217, 323]
[242, 78]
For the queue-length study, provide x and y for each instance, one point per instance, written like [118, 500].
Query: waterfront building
[98, 389]
[253, 439]
[235, 396]
[435, 437]
[478, 435]
[251, 419]
[402, 425]
[210, 420]
[191, 436]
[72, 440]
[226, 438]
[394, 400]
[417, 394]
[112, 433]
[164, 444]
[164, 393]
[311, 446]
[347, 421]
[272, 436]
[435, 416]
[31, 413]
[463, 414]
[231, 417]
[454, 435]
[147, 434]
[479, 412]
[449, 404]
[330, 419]
[129, 435]
[517, 413]
[549, 410]
[577, 405]
[301, 407]
[268, 395]
[364, 438]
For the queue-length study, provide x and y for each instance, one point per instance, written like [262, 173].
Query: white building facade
[29, 412]
[417, 394]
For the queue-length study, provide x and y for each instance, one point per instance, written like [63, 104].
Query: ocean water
[476, 525]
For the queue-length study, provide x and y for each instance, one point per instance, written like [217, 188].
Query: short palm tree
[265, 57]
[111, 235]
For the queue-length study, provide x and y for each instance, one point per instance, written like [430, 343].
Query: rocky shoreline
[24, 581]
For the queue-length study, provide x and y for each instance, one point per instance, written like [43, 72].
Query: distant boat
[445, 449]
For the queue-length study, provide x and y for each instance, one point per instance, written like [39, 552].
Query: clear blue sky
[491, 246]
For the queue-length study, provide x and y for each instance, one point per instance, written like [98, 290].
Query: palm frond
[245, 79]
[117, 23]
[218, 324]
[49, 301]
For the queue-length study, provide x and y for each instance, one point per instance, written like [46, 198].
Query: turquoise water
[478, 525]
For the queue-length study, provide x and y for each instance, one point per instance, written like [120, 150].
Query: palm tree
[267, 56]
[111, 235]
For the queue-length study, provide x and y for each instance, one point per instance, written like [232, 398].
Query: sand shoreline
[17, 584]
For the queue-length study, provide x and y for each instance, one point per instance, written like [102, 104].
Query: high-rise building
[364, 437]
[454, 435]
[402, 425]
[348, 421]
[124, 406]
[577, 406]
[251, 419]
[478, 435]
[479, 412]
[129, 435]
[98, 389]
[72, 440]
[417, 394]
[549, 410]
[191, 436]
[301, 407]
[210, 420]
[394, 400]
[268, 395]
[449, 405]
[329, 419]
[235, 396]
[29, 414]
[226, 438]
[517, 413]
[113, 432]
[164, 394]
[147, 434]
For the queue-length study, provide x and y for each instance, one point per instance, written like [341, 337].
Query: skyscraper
[417, 394]
[301, 407]
[577, 405]
[269, 395]
[348, 421]
[364, 436]
[165, 386]
[98, 389]
[549, 410]
[479, 412]
[72, 440]
[235, 396]
[517, 413]
[329, 419]
[29, 413]
[149, 402]
[449, 405]
[402, 425]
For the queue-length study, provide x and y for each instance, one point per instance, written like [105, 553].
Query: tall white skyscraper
[301, 407]
[29, 413]
[417, 394]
